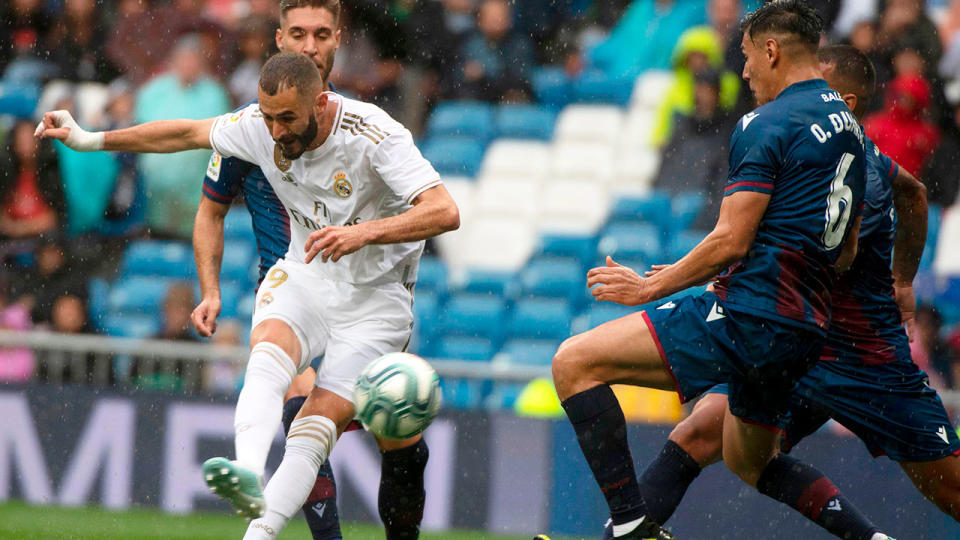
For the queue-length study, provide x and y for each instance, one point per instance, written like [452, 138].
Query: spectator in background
[52, 277]
[23, 25]
[125, 213]
[16, 364]
[695, 159]
[942, 176]
[697, 51]
[177, 307]
[185, 91]
[496, 59]
[69, 316]
[126, 48]
[31, 195]
[901, 131]
[256, 43]
[903, 24]
[223, 375]
[645, 36]
[930, 351]
[77, 43]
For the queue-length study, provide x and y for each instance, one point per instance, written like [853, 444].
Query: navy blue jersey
[228, 177]
[866, 319]
[804, 149]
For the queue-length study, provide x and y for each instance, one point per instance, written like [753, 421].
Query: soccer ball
[397, 395]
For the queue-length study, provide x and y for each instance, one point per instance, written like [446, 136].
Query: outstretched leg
[402, 494]
[939, 481]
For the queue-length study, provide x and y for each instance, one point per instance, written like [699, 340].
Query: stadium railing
[95, 359]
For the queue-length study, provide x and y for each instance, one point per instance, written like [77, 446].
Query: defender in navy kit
[790, 214]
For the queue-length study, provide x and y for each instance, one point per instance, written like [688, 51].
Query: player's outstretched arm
[434, 212]
[159, 137]
[740, 215]
[208, 255]
[910, 201]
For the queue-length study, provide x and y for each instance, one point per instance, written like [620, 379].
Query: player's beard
[305, 138]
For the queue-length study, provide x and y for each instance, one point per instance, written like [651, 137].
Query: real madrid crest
[280, 160]
[266, 299]
[341, 186]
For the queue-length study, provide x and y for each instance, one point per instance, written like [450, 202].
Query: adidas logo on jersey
[356, 126]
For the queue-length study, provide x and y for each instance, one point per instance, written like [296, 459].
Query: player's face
[291, 119]
[313, 32]
[756, 69]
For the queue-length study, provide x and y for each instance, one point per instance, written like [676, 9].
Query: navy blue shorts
[703, 344]
[315, 363]
[888, 406]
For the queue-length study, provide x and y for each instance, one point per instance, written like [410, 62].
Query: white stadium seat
[517, 158]
[947, 261]
[496, 243]
[637, 130]
[583, 161]
[650, 89]
[507, 197]
[635, 171]
[462, 191]
[589, 123]
[574, 206]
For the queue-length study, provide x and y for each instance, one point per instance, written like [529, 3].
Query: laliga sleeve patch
[213, 167]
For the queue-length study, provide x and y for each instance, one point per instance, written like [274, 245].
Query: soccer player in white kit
[361, 199]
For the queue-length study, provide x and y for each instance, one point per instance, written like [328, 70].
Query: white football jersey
[368, 168]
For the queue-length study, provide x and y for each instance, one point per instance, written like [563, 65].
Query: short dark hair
[853, 68]
[333, 6]
[290, 70]
[792, 17]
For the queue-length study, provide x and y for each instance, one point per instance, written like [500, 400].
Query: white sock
[260, 405]
[309, 443]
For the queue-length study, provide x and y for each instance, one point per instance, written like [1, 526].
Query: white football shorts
[349, 325]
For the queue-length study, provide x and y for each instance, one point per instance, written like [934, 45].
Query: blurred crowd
[65, 216]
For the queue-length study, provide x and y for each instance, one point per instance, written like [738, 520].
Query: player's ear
[773, 51]
[321, 102]
[337, 36]
[851, 100]
[278, 37]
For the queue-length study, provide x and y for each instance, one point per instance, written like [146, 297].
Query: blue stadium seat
[454, 156]
[98, 290]
[462, 119]
[686, 208]
[239, 259]
[540, 318]
[551, 86]
[19, 99]
[503, 395]
[934, 217]
[473, 315]
[431, 275]
[530, 352]
[137, 295]
[681, 243]
[600, 313]
[135, 326]
[583, 248]
[238, 224]
[163, 259]
[525, 122]
[471, 349]
[598, 87]
[555, 278]
[230, 294]
[489, 282]
[426, 311]
[462, 394]
[625, 240]
[653, 208]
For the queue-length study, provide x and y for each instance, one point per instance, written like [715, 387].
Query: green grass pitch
[20, 521]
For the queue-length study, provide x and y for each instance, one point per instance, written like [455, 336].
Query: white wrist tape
[79, 139]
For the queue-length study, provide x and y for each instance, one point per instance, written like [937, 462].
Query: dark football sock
[808, 491]
[602, 433]
[402, 495]
[320, 509]
[666, 479]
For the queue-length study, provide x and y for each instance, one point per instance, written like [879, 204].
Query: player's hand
[60, 125]
[617, 283]
[204, 316]
[903, 294]
[654, 268]
[331, 243]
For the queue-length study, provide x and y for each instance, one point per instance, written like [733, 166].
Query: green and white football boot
[239, 486]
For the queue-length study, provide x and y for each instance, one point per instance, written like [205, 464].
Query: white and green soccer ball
[397, 395]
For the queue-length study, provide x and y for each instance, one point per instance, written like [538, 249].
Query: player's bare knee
[568, 364]
[386, 445]
[280, 334]
[700, 438]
